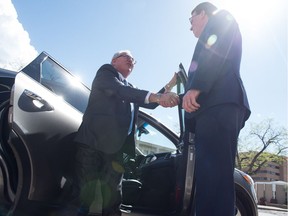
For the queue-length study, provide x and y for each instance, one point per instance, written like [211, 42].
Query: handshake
[167, 99]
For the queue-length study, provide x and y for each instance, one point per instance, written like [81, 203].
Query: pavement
[274, 208]
[263, 207]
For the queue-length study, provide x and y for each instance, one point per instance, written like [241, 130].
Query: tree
[262, 142]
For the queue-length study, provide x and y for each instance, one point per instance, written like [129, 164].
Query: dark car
[41, 108]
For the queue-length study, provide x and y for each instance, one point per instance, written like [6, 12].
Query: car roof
[7, 73]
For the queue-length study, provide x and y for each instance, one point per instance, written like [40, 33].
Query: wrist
[158, 97]
[168, 87]
[155, 98]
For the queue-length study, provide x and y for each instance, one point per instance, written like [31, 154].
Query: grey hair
[121, 52]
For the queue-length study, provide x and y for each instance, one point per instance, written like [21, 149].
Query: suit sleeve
[108, 82]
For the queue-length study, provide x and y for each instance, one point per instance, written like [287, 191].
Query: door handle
[38, 101]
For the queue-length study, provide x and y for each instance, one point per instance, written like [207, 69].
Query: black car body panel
[42, 122]
[7, 81]
[41, 108]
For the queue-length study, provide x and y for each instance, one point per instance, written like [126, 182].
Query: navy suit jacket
[215, 66]
[107, 117]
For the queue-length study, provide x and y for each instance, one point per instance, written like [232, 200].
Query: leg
[217, 131]
[85, 179]
[111, 184]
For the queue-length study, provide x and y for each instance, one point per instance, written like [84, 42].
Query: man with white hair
[108, 131]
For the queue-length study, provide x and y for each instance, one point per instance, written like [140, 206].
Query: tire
[240, 209]
[5, 165]
[243, 208]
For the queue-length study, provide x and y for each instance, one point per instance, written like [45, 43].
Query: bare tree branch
[264, 142]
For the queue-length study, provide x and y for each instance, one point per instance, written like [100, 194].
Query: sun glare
[253, 14]
[76, 81]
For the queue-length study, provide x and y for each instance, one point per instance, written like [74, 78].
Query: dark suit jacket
[215, 66]
[107, 118]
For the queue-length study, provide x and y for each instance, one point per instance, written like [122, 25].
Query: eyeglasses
[128, 57]
[192, 17]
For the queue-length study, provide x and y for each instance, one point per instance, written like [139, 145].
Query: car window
[150, 140]
[62, 83]
[167, 116]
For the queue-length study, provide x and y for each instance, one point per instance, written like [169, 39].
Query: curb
[272, 208]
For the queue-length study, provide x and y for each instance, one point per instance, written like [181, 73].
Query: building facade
[272, 172]
[271, 184]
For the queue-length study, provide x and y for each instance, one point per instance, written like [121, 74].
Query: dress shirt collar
[121, 77]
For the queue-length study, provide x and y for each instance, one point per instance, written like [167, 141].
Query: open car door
[186, 174]
[45, 112]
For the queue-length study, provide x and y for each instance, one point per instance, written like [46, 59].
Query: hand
[189, 103]
[171, 83]
[169, 99]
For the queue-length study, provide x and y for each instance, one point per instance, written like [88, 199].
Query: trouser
[216, 135]
[93, 166]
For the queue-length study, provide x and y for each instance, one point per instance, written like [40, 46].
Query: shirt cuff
[147, 98]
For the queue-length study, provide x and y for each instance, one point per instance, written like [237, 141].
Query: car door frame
[39, 148]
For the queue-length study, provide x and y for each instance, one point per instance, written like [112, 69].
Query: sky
[83, 35]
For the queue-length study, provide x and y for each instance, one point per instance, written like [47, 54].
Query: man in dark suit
[216, 107]
[108, 130]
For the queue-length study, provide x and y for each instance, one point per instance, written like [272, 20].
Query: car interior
[150, 180]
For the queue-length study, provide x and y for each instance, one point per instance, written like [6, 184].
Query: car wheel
[11, 194]
[7, 182]
[242, 209]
